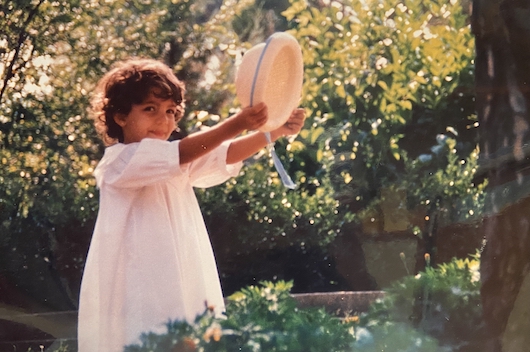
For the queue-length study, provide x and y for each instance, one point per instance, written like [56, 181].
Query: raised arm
[246, 146]
[197, 144]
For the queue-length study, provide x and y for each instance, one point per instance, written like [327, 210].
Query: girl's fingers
[298, 116]
[259, 108]
[260, 120]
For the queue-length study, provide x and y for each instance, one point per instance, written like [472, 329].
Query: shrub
[259, 318]
[438, 310]
[435, 311]
[441, 303]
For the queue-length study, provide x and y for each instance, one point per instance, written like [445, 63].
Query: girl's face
[153, 118]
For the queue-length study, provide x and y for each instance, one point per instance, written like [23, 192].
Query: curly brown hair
[131, 82]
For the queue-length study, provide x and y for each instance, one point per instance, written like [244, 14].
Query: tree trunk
[502, 31]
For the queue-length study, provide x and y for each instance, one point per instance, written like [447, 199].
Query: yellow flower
[353, 319]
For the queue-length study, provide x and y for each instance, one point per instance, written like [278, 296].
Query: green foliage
[443, 303]
[394, 336]
[46, 151]
[269, 215]
[263, 318]
[259, 20]
[427, 183]
[382, 80]
[437, 310]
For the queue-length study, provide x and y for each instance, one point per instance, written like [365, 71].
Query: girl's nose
[163, 117]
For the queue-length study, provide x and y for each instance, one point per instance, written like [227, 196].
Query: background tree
[43, 186]
[389, 88]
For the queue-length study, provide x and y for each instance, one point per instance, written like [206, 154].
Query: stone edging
[341, 303]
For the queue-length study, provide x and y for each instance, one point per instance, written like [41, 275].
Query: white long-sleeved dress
[150, 258]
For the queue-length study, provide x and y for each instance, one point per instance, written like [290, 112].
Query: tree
[503, 98]
[377, 73]
[37, 152]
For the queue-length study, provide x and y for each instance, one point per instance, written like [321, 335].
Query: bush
[441, 303]
[263, 318]
[435, 311]
[438, 310]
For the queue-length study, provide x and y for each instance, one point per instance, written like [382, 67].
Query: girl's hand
[246, 146]
[293, 125]
[251, 117]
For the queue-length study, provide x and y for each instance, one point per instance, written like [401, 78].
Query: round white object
[272, 72]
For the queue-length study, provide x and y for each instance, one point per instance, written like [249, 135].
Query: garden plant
[266, 318]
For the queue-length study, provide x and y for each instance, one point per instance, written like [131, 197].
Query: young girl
[150, 259]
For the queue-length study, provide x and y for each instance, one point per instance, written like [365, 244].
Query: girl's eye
[171, 111]
[149, 108]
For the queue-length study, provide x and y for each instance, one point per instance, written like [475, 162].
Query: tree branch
[21, 38]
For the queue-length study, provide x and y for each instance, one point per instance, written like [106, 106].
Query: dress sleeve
[212, 169]
[151, 161]
[139, 164]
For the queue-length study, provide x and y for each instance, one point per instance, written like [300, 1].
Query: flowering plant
[259, 318]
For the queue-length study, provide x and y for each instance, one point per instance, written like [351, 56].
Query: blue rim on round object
[255, 79]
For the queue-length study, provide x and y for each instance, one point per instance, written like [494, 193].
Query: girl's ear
[120, 119]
